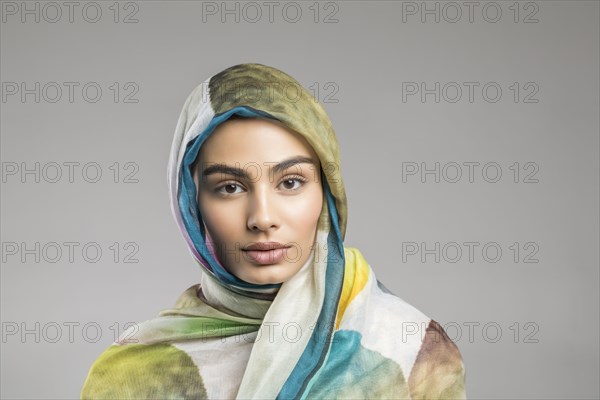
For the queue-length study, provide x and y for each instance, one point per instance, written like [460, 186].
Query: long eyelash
[290, 177]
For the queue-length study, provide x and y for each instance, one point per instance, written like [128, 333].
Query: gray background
[547, 311]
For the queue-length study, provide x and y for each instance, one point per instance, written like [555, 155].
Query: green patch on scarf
[157, 371]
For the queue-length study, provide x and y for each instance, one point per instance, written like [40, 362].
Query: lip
[265, 253]
[265, 246]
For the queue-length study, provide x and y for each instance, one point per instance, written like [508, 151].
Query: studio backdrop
[469, 141]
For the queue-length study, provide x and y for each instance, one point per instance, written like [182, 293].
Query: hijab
[331, 331]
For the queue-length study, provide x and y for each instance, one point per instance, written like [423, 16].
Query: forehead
[253, 140]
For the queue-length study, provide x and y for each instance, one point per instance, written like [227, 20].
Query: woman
[283, 310]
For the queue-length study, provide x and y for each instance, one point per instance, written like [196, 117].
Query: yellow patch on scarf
[355, 278]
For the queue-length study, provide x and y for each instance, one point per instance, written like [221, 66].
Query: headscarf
[331, 331]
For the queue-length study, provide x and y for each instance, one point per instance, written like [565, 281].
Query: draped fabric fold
[331, 331]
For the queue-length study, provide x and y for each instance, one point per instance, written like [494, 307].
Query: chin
[270, 280]
[267, 278]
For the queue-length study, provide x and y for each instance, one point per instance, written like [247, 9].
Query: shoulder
[438, 371]
[364, 293]
[143, 371]
[402, 332]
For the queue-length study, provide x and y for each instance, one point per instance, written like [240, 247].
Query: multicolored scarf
[331, 331]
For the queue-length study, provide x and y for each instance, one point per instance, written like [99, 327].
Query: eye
[228, 188]
[289, 182]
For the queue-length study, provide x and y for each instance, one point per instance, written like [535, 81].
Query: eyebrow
[240, 173]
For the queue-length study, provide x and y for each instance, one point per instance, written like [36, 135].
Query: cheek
[219, 219]
[304, 213]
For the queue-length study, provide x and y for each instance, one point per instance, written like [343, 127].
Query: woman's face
[259, 182]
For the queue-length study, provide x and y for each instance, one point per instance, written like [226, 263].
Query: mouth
[266, 253]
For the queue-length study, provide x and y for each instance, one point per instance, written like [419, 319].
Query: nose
[262, 214]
